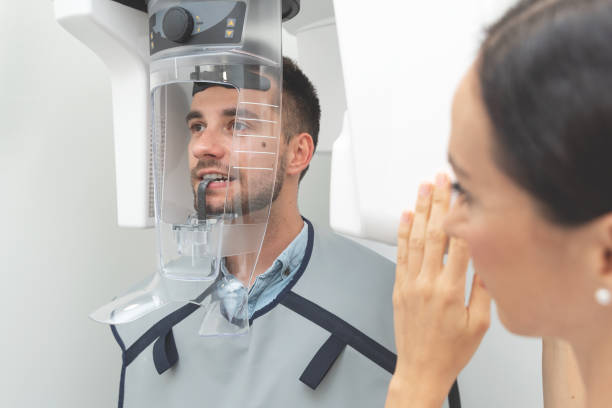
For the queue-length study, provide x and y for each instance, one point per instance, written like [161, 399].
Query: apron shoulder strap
[343, 334]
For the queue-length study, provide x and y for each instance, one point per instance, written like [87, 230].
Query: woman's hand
[435, 333]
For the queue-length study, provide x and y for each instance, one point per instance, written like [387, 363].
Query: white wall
[62, 254]
[506, 370]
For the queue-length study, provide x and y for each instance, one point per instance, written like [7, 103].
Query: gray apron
[326, 341]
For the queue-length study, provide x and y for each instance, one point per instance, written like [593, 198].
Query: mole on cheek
[263, 144]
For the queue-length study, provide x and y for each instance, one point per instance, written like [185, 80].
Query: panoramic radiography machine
[386, 71]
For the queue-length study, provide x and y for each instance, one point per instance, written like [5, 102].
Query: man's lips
[211, 172]
[222, 181]
[213, 185]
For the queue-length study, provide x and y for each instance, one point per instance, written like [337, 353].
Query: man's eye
[196, 128]
[240, 126]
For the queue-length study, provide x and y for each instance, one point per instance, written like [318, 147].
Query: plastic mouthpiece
[202, 197]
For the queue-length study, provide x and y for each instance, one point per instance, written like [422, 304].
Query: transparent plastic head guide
[216, 134]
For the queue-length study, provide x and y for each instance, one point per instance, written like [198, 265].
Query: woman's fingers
[435, 333]
[457, 261]
[403, 237]
[416, 242]
[435, 238]
[479, 307]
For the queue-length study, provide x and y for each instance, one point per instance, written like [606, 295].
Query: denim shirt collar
[270, 283]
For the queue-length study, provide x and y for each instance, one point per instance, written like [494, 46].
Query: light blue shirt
[271, 283]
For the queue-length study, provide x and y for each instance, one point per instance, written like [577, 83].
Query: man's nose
[208, 144]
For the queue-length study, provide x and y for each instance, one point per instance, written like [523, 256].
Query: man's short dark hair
[301, 108]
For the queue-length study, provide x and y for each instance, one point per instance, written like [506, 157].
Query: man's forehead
[215, 100]
[215, 93]
[253, 95]
[224, 102]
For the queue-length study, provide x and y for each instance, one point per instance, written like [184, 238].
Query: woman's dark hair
[546, 80]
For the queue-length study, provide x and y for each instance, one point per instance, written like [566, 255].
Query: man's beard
[254, 198]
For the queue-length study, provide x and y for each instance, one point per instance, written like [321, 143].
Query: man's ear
[299, 153]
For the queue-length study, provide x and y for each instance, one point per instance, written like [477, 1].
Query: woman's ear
[299, 153]
[604, 228]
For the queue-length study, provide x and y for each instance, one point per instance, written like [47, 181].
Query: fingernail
[425, 190]
[406, 216]
[441, 180]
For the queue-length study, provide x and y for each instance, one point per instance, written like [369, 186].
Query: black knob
[177, 24]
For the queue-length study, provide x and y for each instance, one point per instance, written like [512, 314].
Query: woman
[531, 147]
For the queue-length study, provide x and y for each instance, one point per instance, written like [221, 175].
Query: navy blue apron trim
[158, 330]
[322, 361]
[123, 366]
[162, 327]
[117, 337]
[294, 280]
[350, 336]
[165, 354]
[347, 333]
[454, 399]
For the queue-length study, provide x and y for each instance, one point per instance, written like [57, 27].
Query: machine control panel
[198, 23]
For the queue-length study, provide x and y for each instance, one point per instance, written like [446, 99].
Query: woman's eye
[196, 128]
[463, 195]
[457, 188]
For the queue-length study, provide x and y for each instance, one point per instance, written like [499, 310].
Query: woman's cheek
[499, 250]
[484, 251]
[456, 222]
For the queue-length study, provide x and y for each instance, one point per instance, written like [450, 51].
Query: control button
[229, 33]
[177, 24]
[231, 22]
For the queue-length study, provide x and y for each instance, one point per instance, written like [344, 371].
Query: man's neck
[284, 224]
[282, 230]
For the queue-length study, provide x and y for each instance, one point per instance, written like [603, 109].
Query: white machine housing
[400, 62]
[118, 34]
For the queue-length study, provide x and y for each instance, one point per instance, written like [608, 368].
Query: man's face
[243, 166]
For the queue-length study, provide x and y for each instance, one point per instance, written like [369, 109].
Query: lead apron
[297, 353]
